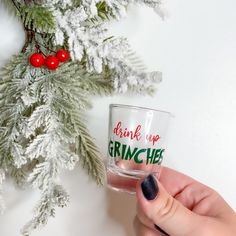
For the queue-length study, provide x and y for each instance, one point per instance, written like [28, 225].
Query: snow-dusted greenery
[42, 113]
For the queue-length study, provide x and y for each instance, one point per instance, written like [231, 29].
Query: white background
[195, 48]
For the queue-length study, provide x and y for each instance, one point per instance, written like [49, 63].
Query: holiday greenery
[45, 90]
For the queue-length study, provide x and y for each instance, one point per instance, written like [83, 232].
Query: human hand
[177, 205]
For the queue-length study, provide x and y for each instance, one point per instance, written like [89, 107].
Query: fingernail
[149, 187]
[160, 230]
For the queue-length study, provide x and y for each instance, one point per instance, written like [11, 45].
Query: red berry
[36, 59]
[52, 63]
[62, 55]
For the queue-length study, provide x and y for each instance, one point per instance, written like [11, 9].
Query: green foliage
[42, 113]
[86, 148]
[55, 196]
[11, 108]
[103, 11]
[66, 101]
[37, 18]
[76, 3]
[70, 112]
[101, 84]
[42, 127]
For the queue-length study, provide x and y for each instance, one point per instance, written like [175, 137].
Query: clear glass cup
[136, 144]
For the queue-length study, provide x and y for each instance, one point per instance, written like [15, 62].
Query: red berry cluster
[51, 62]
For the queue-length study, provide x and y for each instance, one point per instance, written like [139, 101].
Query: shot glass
[136, 144]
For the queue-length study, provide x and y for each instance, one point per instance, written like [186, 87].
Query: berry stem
[43, 45]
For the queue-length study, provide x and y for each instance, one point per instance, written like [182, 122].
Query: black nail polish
[161, 230]
[149, 187]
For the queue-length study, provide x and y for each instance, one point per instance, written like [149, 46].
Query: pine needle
[37, 18]
[89, 153]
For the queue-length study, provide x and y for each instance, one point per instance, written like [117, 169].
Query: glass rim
[139, 108]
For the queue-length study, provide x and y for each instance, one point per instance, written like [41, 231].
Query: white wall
[195, 48]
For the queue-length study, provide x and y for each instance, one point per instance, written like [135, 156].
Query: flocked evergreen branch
[67, 110]
[72, 113]
[87, 149]
[55, 196]
[50, 97]
[11, 117]
[42, 112]
[37, 18]
[20, 175]
[103, 12]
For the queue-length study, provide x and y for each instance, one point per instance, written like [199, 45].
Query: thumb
[164, 211]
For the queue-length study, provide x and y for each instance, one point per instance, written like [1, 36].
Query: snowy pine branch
[37, 18]
[72, 114]
[88, 151]
[54, 196]
[42, 112]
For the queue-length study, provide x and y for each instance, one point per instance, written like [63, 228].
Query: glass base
[124, 180]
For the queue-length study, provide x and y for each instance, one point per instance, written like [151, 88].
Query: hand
[177, 205]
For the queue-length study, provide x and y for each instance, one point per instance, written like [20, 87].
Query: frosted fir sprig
[92, 41]
[43, 111]
[54, 196]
